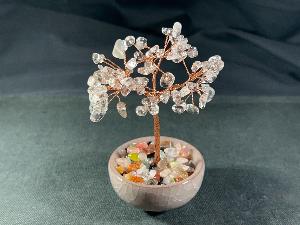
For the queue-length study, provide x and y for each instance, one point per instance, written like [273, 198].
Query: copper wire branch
[152, 91]
[114, 81]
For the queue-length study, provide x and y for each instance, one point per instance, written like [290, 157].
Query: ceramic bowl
[157, 198]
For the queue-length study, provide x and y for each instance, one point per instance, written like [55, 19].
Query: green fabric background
[53, 161]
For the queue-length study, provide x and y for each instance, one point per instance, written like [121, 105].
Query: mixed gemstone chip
[136, 163]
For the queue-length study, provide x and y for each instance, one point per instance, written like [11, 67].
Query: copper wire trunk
[156, 127]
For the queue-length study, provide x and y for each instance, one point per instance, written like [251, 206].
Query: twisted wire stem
[156, 128]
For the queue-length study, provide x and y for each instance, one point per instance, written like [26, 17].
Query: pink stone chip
[149, 149]
[133, 149]
[142, 145]
[185, 152]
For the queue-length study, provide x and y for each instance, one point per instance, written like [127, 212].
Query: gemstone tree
[111, 81]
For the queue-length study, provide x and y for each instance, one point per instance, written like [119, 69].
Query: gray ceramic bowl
[157, 197]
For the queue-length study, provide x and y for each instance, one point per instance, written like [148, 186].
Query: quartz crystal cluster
[137, 163]
[141, 74]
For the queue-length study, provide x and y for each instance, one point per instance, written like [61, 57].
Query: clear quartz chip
[93, 98]
[114, 83]
[209, 91]
[129, 41]
[153, 100]
[98, 58]
[131, 64]
[167, 79]
[100, 106]
[153, 50]
[125, 91]
[176, 96]
[146, 69]
[202, 101]
[149, 67]
[120, 74]
[164, 97]
[91, 81]
[96, 117]
[191, 108]
[160, 53]
[216, 63]
[176, 29]
[141, 81]
[102, 103]
[146, 102]
[141, 110]
[180, 108]
[166, 31]
[153, 109]
[142, 70]
[192, 52]
[211, 95]
[209, 76]
[192, 86]
[138, 55]
[121, 108]
[196, 66]
[205, 66]
[119, 49]
[100, 89]
[184, 91]
[129, 83]
[141, 43]
[140, 90]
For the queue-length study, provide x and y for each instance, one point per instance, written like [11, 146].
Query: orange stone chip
[133, 166]
[136, 179]
[120, 169]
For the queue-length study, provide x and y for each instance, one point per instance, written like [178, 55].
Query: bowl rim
[198, 169]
